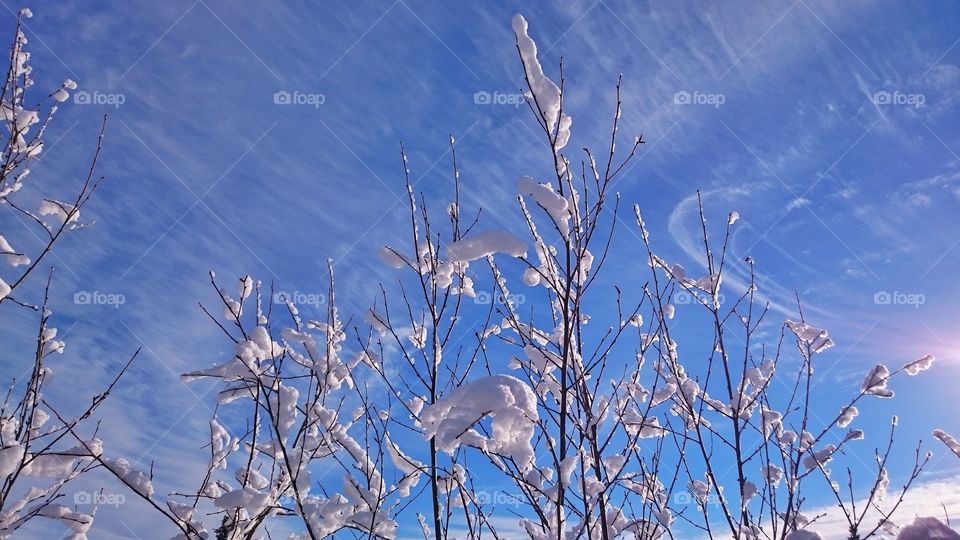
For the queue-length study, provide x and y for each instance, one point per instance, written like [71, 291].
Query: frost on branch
[508, 400]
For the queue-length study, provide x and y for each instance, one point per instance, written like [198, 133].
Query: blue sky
[830, 127]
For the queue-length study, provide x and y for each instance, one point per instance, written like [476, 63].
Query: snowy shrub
[41, 450]
[588, 407]
[590, 419]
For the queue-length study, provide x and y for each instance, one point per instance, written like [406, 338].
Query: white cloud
[920, 200]
[798, 202]
[934, 498]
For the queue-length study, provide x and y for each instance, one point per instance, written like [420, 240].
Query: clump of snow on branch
[14, 258]
[557, 206]
[545, 92]
[875, 383]
[134, 479]
[809, 336]
[919, 365]
[948, 440]
[508, 400]
[847, 415]
[485, 244]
